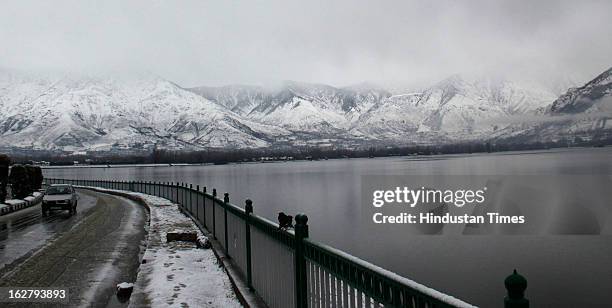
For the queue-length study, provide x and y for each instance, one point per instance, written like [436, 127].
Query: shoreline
[408, 157]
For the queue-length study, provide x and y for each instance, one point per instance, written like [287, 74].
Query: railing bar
[274, 275]
[330, 294]
[310, 280]
[338, 292]
[317, 284]
[344, 294]
[334, 291]
[322, 280]
[350, 301]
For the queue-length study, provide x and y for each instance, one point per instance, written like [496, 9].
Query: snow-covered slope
[313, 110]
[101, 113]
[581, 113]
[455, 108]
[588, 98]
[237, 98]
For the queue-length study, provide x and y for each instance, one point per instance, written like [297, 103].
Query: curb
[11, 208]
[120, 194]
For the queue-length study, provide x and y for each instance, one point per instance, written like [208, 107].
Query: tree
[35, 176]
[39, 177]
[20, 182]
[5, 162]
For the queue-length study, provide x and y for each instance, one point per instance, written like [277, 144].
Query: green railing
[286, 268]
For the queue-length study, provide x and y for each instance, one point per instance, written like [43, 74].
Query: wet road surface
[88, 253]
[26, 230]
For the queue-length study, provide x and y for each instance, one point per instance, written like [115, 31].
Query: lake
[567, 266]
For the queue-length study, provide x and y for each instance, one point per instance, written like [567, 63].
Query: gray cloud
[335, 42]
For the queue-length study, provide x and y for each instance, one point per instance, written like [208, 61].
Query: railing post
[225, 204]
[204, 205]
[191, 198]
[197, 203]
[213, 213]
[516, 285]
[177, 191]
[184, 194]
[182, 203]
[301, 285]
[248, 209]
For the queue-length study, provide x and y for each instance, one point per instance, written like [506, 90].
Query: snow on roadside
[178, 274]
[13, 201]
[18, 201]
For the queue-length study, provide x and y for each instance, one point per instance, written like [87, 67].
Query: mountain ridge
[105, 113]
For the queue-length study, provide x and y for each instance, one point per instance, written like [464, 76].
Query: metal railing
[286, 268]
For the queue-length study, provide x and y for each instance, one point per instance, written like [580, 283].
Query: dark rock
[124, 291]
[204, 243]
[182, 236]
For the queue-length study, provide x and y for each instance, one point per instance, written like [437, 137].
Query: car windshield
[58, 190]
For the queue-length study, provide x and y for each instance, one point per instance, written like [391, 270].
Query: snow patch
[13, 201]
[178, 274]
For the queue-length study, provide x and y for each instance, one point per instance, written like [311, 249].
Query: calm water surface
[562, 270]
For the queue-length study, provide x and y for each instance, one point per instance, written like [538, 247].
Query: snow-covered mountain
[591, 97]
[102, 113]
[300, 107]
[581, 113]
[454, 108]
[92, 113]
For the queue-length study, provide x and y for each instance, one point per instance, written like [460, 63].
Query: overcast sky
[339, 43]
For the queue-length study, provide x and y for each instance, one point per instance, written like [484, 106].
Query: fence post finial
[516, 285]
[248, 206]
[301, 225]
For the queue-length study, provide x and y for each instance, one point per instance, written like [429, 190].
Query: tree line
[222, 156]
[24, 179]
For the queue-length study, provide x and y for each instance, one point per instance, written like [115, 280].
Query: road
[88, 253]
